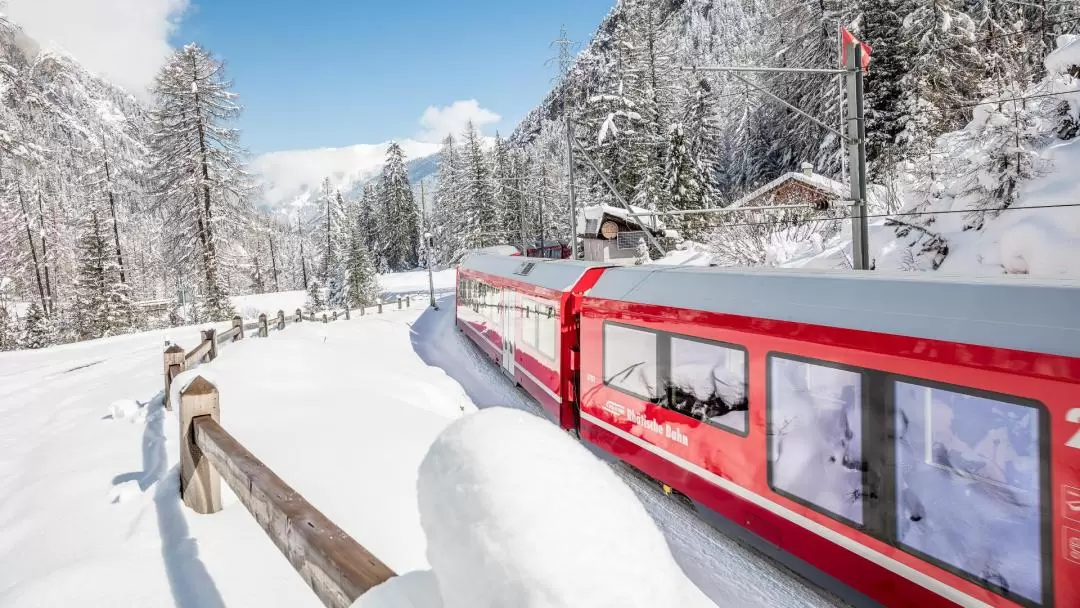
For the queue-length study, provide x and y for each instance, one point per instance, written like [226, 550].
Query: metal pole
[430, 278]
[570, 176]
[860, 247]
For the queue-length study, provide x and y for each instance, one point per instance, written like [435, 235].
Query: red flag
[847, 39]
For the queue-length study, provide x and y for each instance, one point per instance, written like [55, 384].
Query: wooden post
[264, 330]
[399, 302]
[280, 320]
[363, 310]
[324, 320]
[347, 315]
[200, 483]
[380, 308]
[408, 301]
[334, 318]
[174, 358]
[299, 315]
[238, 323]
[211, 335]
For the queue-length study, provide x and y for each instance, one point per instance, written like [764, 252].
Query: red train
[904, 440]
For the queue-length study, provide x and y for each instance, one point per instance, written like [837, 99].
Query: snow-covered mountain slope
[291, 178]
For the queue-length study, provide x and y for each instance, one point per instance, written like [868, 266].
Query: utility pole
[565, 59]
[428, 242]
[856, 127]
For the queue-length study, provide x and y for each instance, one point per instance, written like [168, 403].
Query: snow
[596, 212]
[344, 413]
[517, 513]
[1066, 56]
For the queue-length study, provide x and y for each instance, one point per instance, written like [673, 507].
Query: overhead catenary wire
[887, 215]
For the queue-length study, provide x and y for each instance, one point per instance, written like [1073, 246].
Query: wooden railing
[336, 567]
[332, 563]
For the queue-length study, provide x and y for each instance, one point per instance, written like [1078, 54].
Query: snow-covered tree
[38, 330]
[685, 185]
[315, 301]
[200, 182]
[641, 253]
[362, 284]
[400, 216]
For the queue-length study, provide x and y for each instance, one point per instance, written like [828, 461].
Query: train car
[522, 313]
[905, 440]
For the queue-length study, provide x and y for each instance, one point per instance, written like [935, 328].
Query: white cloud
[124, 41]
[451, 119]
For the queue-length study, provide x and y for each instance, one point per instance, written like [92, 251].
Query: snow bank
[1067, 55]
[517, 513]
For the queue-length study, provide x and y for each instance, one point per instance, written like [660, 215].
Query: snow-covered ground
[345, 413]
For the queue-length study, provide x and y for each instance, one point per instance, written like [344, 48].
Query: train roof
[1015, 312]
[559, 275]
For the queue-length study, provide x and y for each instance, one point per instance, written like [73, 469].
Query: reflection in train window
[630, 361]
[708, 382]
[968, 484]
[815, 435]
[548, 330]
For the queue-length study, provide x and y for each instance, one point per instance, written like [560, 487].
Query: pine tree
[315, 301]
[401, 216]
[7, 335]
[38, 330]
[200, 181]
[447, 221]
[478, 214]
[943, 64]
[641, 253]
[685, 185]
[91, 296]
[362, 284]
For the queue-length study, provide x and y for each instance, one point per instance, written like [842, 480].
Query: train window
[630, 361]
[708, 383]
[815, 435]
[548, 329]
[529, 323]
[968, 483]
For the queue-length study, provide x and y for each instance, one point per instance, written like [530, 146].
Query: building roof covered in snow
[591, 219]
[795, 186]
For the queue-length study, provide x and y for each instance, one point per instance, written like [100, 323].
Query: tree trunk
[33, 250]
[273, 261]
[45, 256]
[112, 210]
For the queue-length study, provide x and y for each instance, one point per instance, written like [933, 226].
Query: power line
[1024, 98]
[888, 215]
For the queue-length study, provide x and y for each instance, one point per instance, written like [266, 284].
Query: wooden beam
[200, 483]
[174, 364]
[200, 352]
[336, 567]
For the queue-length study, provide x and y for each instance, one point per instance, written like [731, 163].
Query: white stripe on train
[938, 587]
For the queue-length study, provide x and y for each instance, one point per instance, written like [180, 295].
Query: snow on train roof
[1016, 312]
[559, 275]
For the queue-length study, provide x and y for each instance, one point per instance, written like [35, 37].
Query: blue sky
[338, 72]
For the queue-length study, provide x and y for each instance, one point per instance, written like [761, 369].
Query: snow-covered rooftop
[597, 212]
[814, 180]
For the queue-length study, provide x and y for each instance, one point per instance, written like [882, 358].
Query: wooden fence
[332, 563]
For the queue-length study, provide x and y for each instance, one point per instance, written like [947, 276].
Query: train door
[508, 335]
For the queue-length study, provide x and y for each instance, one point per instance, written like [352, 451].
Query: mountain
[290, 178]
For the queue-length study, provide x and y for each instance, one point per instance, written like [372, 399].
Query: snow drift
[517, 513]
